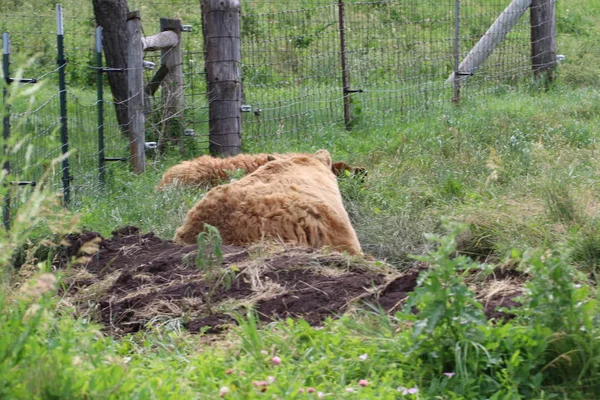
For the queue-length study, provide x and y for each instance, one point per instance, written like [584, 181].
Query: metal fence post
[6, 124]
[344, 64]
[456, 81]
[64, 138]
[100, 106]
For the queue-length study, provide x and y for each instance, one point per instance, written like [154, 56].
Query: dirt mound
[134, 279]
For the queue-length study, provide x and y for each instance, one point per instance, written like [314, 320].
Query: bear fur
[210, 171]
[294, 199]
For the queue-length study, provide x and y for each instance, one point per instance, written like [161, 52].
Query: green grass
[520, 169]
[517, 166]
[549, 351]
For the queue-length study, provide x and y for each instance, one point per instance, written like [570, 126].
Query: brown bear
[210, 171]
[296, 200]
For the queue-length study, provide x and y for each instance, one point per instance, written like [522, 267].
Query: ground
[135, 280]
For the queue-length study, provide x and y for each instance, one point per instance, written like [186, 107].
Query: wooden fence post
[491, 39]
[543, 38]
[173, 83]
[135, 95]
[221, 25]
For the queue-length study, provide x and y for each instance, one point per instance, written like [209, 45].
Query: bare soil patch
[136, 279]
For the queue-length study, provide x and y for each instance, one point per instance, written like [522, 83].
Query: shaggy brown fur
[210, 171]
[294, 199]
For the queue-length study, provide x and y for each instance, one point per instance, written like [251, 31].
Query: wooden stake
[491, 39]
[135, 102]
[543, 38]
[221, 23]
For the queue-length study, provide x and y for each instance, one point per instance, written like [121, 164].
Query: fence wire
[35, 120]
[398, 56]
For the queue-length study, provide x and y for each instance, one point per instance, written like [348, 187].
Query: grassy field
[521, 170]
[506, 183]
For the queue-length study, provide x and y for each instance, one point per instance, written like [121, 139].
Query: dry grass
[504, 288]
[96, 290]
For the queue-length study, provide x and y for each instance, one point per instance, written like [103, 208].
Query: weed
[558, 300]
[443, 298]
[209, 258]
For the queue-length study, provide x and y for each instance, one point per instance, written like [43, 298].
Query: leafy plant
[209, 258]
[450, 330]
[442, 297]
[558, 299]
[447, 315]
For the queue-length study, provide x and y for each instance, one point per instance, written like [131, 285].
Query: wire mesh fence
[398, 56]
[35, 119]
[306, 64]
